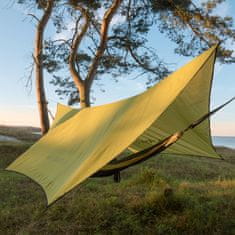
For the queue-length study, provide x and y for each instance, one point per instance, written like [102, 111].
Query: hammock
[83, 143]
[133, 159]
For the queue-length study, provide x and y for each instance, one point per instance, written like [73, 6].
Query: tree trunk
[84, 94]
[84, 85]
[38, 53]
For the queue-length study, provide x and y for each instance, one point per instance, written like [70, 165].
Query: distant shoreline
[18, 133]
[226, 141]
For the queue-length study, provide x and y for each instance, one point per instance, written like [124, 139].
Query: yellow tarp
[83, 141]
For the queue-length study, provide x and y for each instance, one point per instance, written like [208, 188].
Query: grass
[20, 132]
[165, 195]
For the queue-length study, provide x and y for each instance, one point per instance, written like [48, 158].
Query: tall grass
[166, 195]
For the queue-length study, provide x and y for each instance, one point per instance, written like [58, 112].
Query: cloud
[117, 19]
[66, 34]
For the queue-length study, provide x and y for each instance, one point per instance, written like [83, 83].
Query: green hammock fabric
[114, 168]
[81, 142]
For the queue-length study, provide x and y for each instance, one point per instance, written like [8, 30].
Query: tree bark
[38, 53]
[84, 94]
[103, 40]
[78, 36]
[84, 85]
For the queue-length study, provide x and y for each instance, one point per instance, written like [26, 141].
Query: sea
[226, 141]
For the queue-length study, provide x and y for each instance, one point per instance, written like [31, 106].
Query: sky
[18, 105]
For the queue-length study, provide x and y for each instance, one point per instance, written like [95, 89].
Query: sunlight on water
[5, 138]
[226, 141]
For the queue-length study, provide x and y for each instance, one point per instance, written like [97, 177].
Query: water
[226, 141]
[36, 132]
[6, 138]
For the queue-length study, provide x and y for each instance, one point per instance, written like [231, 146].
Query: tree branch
[35, 17]
[180, 14]
[133, 55]
[76, 41]
[62, 40]
[144, 66]
[103, 40]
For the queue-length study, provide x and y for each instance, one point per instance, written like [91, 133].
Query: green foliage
[91, 4]
[191, 26]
